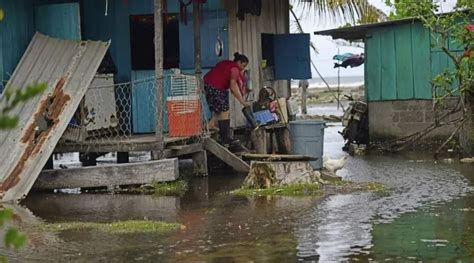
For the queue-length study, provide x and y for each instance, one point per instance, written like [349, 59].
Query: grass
[310, 189]
[289, 190]
[119, 227]
[175, 188]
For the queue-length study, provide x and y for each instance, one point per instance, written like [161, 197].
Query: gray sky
[328, 48]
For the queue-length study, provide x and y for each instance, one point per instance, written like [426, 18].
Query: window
[142, 42]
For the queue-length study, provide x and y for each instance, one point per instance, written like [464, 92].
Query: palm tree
[352, 11]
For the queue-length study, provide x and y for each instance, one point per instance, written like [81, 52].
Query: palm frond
[355, 11]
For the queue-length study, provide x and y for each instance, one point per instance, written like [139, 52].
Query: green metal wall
[400, 62]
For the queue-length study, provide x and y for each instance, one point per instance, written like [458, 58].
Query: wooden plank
[404, 60]
[372, 63]
[388, 65]
[133, 143]
[225, 155]
[120, 174]
[421, 61]
[175, 151]
[279, 157]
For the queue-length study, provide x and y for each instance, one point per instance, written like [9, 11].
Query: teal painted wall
[16, 31]
[18, 27]
[400, 62]
[59, 20]
[115, 27]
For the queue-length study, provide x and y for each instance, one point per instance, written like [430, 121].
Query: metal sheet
[68, 67]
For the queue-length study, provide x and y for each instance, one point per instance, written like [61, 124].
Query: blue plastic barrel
[307, 138]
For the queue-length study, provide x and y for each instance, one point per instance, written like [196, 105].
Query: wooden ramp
[226, 156]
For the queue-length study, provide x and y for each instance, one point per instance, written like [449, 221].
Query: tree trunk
[277, 174]
[466, 136]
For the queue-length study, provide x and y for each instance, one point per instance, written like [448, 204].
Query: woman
[224, 76]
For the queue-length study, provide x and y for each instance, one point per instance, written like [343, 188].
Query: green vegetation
[175, 188]
[310, 189]
[289, 190]
[13, 238]
[119, 227]
[13, 99]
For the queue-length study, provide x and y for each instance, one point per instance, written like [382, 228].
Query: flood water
[427, 214]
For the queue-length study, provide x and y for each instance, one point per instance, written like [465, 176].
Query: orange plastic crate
[184, 116]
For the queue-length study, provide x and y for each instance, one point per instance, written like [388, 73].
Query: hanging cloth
[253, 7]
[354, 61]
[343, 56]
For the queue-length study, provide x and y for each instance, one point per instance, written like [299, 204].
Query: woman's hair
[240, 57]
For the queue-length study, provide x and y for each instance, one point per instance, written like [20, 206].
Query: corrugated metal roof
[68, 67]
[358, 32]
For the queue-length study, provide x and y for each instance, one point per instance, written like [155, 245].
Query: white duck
[334, 165]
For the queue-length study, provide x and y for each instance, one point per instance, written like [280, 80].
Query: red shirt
[221, 74]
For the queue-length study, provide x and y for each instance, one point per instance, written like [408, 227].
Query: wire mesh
[125, 114]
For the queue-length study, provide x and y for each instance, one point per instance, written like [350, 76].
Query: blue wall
[16, 31]
[115, 26]
[17, 28]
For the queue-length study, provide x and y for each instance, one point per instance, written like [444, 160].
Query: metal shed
[401, 58]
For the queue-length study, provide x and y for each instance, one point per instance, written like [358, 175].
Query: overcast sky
[327, 47]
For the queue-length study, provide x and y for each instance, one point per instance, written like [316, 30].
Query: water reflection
[426, 214]
[102, 207]
[342, 225]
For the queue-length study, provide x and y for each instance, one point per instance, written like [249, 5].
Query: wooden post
[158, 153]
[304, 95]
[259, 140]
[197, 45]
[284, 140]
[200, 163]
[197, 39]
[122, 157]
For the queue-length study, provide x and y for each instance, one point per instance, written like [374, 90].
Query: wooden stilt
[283, 140]
[122, 157]
[259, 141]
[200, 163]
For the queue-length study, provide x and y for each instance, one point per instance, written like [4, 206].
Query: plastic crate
[184, 116]
[263, 117]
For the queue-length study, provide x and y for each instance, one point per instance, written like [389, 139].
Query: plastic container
[307, 138]
[184, 116]
[263, 117]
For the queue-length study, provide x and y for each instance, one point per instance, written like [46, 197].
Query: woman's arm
[234, 88]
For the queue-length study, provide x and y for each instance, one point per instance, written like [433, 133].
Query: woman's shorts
[218, 100]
